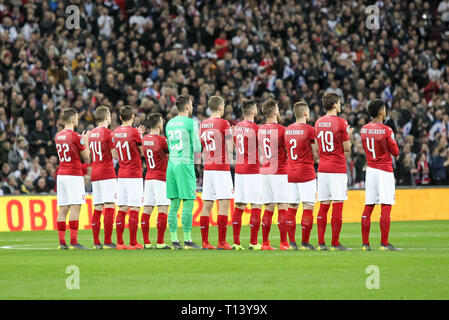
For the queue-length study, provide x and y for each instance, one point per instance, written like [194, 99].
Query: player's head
[301, 110]
[184, 104]
[103, 114]
[376, 107]
[331, 101]
[216, 104]
[126, 113]
[249, 107]
[155, 121]
[270, 109]
[70, 117]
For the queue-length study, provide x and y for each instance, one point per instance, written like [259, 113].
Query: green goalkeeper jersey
[183, 140]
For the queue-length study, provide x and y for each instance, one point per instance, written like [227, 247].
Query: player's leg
[283, 226]
[204, 223]
[387, 199]
[291, 225]
[161, 227]
[323, 197]
[149, 201]
[280, 189]
[222, 181]
[222, 221]
[76, 198]
[266, 225]
[108, 221]
[371, 198]
[306, 225]
[173, 222]
[96, 225]
[134, 192]
[338, 188]
[240, 205]
[96, 216]
[62, 225]
[74, 225]
[209, 196]
[186, 181]
[122, 202]
[64, 208]
[145, 225]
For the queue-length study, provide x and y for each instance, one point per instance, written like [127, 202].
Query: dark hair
[268, 107]
[215, 102]
[375, 106]
[182, 101]
[329, 99]
[299, 108]
[153, 120]
[101, 113]
[247, 106]
[126, 113]
[68, 114]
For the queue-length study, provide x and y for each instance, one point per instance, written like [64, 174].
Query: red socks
[282, 224]
[306, 225]
[266, 225]
[96, 225]
[385, 223]
[237, 224]
[336, 221]
[291, 224]
[120, 226]
[73, 225]
[61, 231]
[133, 226]
[145, 225]
[161, 226]
[222, 221]
[108, 221]
[254, 224]
[366, 222]
[204, 226]
[322, 222]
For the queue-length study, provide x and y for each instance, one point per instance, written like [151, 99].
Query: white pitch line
[19, 247]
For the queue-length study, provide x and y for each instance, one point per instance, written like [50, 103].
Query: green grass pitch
[32, 268]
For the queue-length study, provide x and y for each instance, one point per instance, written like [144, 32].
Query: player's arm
[84, 142]
[392, 144]
[315, 151]
[195, 138]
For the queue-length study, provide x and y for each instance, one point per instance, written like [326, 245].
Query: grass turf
[28, 271]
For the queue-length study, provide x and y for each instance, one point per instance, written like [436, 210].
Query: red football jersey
[271, 137]
[155, 149]
[100, 145]
[69, 145]
[245, 140]
[213, 135]
[378, 142]
[127, 140]
[330, 132]
[299, 138]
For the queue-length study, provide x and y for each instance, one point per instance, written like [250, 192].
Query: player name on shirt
[324, 124]
[294, 132]
[148, 143]
[372, 131]
[120, 134]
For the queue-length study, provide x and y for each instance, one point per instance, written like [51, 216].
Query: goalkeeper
[183, 142]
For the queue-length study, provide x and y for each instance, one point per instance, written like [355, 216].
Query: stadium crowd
[146, 52]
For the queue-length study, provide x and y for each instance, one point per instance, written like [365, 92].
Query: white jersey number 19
[327, 141]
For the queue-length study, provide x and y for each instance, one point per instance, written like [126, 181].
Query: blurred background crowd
[146, 52]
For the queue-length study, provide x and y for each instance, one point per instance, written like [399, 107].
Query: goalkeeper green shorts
[181, 181]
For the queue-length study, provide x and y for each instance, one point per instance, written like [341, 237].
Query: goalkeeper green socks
[187, 217]
[173, 219]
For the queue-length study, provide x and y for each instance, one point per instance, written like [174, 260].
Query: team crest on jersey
[392, 135]
[82, 141]
[347, 129]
